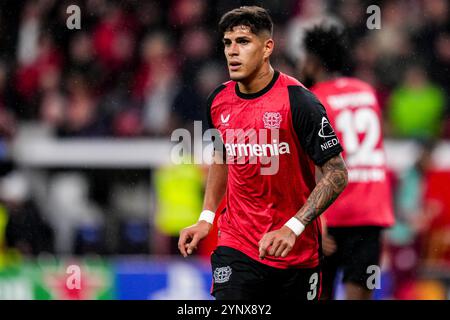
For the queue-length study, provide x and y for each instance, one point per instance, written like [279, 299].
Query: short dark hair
[329, 43]
[254, 17]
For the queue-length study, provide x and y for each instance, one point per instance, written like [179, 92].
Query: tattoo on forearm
[328, 188]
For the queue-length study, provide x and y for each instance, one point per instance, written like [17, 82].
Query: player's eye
[243, 41]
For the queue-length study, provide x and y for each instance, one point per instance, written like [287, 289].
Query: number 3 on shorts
[313, 281]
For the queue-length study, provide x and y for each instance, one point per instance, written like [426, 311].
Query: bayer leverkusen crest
[272, 120]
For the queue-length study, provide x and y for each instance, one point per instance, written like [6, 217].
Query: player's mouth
[234, 65]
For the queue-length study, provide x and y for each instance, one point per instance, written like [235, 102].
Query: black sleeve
[209, 102]
[218, 143]
[312, 126]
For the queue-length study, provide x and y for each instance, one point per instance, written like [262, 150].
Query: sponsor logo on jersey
[326, 131]
[329, 144]
[272, 120]
[258, 150]
[224, 119]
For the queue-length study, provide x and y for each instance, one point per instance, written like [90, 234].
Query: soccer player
[274, 132]
[356, 219]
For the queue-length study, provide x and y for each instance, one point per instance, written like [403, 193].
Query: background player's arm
[215, 190]
[333, 181]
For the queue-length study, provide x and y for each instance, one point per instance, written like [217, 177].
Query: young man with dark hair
[269, 237]
[355, 221]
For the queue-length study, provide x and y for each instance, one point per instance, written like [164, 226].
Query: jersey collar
[260, 92]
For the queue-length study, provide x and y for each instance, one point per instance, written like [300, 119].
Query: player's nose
[233, 49]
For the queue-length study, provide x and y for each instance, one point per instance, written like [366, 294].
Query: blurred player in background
[269, 243]
[352, 239]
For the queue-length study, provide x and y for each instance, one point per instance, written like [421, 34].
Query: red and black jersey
[272, 139]
[354, 112]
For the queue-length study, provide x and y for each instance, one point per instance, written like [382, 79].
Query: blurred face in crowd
[246, 52]
[415, 77]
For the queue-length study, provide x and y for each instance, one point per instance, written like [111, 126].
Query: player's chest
[258, 116]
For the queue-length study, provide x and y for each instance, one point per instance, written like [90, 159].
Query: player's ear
[268, 47]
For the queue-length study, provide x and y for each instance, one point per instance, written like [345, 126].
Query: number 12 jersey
[355, 115]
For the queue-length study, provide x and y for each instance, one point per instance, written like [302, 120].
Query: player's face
[245, 52]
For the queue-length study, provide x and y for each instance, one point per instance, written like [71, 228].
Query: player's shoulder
[219, 92]
[301, 97]
[288, 81]
[296, 89]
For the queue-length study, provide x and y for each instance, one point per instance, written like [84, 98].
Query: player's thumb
[193, 244]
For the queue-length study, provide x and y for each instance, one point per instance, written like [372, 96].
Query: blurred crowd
[143, 68]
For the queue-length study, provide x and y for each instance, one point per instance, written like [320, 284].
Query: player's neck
[257, 82]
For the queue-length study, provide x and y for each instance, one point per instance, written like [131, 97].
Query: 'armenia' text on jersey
[272, 139]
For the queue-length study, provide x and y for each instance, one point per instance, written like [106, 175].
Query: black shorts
[357, 249]
[238, 277]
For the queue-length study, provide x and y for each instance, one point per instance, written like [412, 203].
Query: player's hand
[328, 245]
[190, 237]
[277, 243]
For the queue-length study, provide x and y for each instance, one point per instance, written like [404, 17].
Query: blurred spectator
[179, 199]
[155, 84]
[414, 214]
[37, 74]
[309, 12]
[129, 211]
[81, 117]
[440, 72]
[149, 14]
[391, 44]
[365, 59]
[392, 39]
[189, 103]
[441, 66]
[114, 38]
[77, 220]
[7, 118]
[416, 106]
[435, 19]
[352, 13]
[29, 29]
[26, 230]
[187, 12]
[140, 59]
[3, 248]
[52, 109]
[197, 47]
[81, 59]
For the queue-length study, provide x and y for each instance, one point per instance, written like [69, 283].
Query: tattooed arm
[332, 182]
